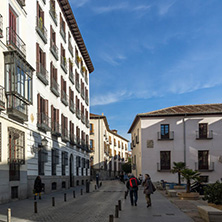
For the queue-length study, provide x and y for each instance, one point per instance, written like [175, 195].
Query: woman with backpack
[148, 189]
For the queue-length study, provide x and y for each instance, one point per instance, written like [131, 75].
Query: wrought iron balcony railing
[63, 33]
[64, 98]
[55, 87]
[70, 47]
[64, 64]
[43, 121]
[15, 42]
[87, 100]
[72, 138]
[83, 118]
[168, 136]
[83, 93]
[21, 3]
[2, 98]
[87, 123]
[52, 12]
[77, 86]
[42, 73]
[54, 50]
[204, 136]
[56, 128]
[72, 106]
[41, 30]
[78, 115]
[71, 76]
[65, 135]
[204, 167]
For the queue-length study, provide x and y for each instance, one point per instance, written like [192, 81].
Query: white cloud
[112, 59]
[79, 3]
[108, 98]
[164, 7]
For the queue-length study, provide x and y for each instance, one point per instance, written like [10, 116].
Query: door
[12, 27]
[71, 170]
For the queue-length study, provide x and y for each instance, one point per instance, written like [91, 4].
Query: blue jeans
[133, 192]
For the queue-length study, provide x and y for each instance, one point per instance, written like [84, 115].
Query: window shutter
[39, 108]
[51, 72]
[46, 108]
[61, 85]
[37, 10]
[52, 117]
[44, 59]
[37, 57]
[57, 115]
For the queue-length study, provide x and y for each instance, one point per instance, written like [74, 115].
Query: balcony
[54, 50]
[71, 76]
[43, 122]
[209, 167]
[137, 139]
[63, 34]
[82, 93]
[163, 168]
[56, 129]
[78, 115]
[86, 79]
[87, 100]
[87, 123]
[63, 64]
[1, 26]
[65, 135]
[42, 73]
[16, 108]
[165, 137]
[71, 106]
[64, 98]
[2, 98]
[41, 30]
[72, 139]
[54, 87]
[70, 47]
[83, 144]
[15, 42]
[77, 86]
[52, 12]
[204, 136]
[21, 3]
[78, 142]
[83, 118]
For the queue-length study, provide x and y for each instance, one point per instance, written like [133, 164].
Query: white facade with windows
[44, 92]
[190, 134]
[109, 150]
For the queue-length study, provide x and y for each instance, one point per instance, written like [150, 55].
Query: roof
[95, 116]
[71, 21]
[186, 110]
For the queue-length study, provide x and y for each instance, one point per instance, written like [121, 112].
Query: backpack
[133, 182]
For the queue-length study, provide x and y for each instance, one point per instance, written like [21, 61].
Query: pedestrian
[148, 189]
[97, 180]
[38, 187]
[141, 178]
[132, 186]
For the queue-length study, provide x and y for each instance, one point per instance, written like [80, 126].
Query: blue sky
[151, 54]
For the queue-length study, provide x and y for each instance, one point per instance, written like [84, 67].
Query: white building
[190, 134]
[44, 77]
[109, 150]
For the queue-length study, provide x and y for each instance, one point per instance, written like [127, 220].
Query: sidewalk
[162, 210]
[23, 209]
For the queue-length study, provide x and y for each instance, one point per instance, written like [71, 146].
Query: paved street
[94, 207]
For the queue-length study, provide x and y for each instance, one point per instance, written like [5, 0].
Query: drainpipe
[184, 138]
[99, 143]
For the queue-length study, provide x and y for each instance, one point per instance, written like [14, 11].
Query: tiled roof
[187, 109]
[202, 109]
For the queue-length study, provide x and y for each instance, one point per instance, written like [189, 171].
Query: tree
[190, 175]
[126, 167]
[177, 168]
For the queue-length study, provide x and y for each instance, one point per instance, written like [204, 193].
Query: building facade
[190, 134]
[44, 98]
[109, 150]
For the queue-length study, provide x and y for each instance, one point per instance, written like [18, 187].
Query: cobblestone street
[95, 206]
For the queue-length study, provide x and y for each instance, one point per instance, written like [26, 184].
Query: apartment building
[109, 150]
[44, 94]
[190, 134]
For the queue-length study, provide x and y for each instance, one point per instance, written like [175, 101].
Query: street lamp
[41, 146]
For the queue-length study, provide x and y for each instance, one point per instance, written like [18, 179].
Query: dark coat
[131, 188]
[148, 186]
[38, 185]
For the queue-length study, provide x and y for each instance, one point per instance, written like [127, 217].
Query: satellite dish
[220, 159]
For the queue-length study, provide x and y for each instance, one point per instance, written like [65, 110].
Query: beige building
[190, 134]
[109, 150]
[44, 98]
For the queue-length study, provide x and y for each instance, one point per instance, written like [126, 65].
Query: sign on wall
[149, 143]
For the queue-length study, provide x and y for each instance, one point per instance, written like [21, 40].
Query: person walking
[97, 180]
[132, 186]
[148, 189]
[141, 178]
[38, 187]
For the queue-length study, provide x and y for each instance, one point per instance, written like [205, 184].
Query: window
[91, 129]
[165, 131]
[71, 100]
[14, 192]
[55, 120]
[203, 127]
[40, 28]
[203, 158]
[42, 159]
[52, 11]
[77, 165]
[63, 59]
[62, 28]
[71, 131]
[14, 172]
[54, 80]
[64, 128]
[204, 179]
[55, 160]
[165, 160]
[64, 97]
[64, 162]
[41, 71]
[53, 47]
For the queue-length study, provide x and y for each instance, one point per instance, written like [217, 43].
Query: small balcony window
[52, 11]
[40, 28]
[204, 132]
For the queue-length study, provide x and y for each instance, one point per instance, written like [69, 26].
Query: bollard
[95, 187]
[35, 207]
[100, 184]
[74, 194]
[117, 211]
[9, 215]
[87, 187]
[53, 201]
[81, 191]
[65, 197]
[111, 219]
[120, 206]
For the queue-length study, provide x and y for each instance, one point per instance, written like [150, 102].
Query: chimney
[102, 114]
[115, 131]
